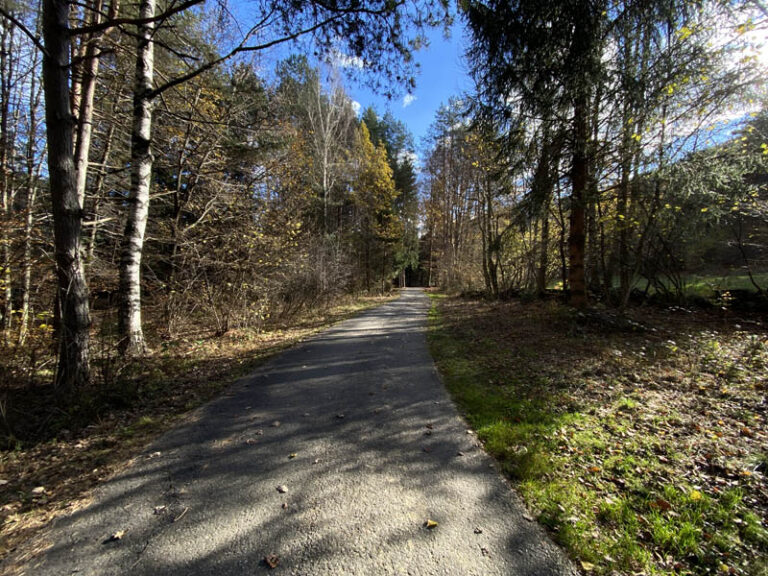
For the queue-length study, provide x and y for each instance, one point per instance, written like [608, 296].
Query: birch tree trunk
[73, 366]
[129, 325]
[6, 145]
[34, 162]
[27, 273]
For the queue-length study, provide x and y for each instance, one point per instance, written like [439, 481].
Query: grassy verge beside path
[41, 478]
[644, 449]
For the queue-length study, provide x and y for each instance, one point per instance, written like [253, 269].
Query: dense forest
[175, 184]
[162, 186]
[625, 167]
[149, 170]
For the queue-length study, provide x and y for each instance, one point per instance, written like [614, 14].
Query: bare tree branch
[136, 21]
[239, 49]
[20, 25]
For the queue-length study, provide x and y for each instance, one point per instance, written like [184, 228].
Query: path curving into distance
[379, 449]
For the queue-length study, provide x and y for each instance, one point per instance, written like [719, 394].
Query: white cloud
[356, 106]
[408, 99]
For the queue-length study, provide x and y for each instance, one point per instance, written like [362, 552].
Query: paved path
[376, 443]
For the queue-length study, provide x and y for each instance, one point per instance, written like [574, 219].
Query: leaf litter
[645, 451]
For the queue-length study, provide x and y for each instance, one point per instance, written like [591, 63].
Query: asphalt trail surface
[358, 428]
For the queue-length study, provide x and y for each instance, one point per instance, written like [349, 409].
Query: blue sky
[443, 74]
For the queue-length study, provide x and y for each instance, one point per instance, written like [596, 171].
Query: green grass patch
[600, 475]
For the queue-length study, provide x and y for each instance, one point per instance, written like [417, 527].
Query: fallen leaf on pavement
[271, 560]
[292, 455]
[430, 524]
[115, 536]
[282, 488]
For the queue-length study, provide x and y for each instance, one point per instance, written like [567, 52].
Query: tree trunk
[129, 325]
[33, 174]
[89, 75]
[562, 243]
[605, 263]
[626, 153]
[72, 293]
[483, 221]
[579, 183]
[26, 284]
[429, 266]
[98, 191]
[541, 279]
[622, 223]
[6, 145]
[543, 186]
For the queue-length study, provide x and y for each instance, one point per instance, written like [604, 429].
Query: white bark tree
[131, 334]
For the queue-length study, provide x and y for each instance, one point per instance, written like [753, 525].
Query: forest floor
[640, 441]
[64, 454]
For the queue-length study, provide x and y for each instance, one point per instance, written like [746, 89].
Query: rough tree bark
[73, 366]
[584, 60]
[130, 329]
[579, 183]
